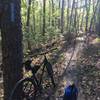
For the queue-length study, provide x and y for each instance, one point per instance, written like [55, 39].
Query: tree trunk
[68, 2]
[98, 20]
[82, 19]
[44, 6]
[41, 22]
[11, 45]
[33, 8]
[93, 17]
[71, 15]
[87, 13]
[52, 13]
[49, 13]
[62, 17]
[59, 19]
[28, 25]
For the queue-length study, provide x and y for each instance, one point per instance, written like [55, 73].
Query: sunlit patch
[97, 40]
[27, 73]
[64, 82]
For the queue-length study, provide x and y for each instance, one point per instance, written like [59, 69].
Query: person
[71, 92]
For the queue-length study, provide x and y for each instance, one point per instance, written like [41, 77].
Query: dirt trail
[81, 73]
[69, 73]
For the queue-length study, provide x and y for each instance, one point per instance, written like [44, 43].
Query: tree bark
[98, 20]
[87, 13]
[93, 17]
[28, 24]
[86, 16]
[71, 15]
[44, 8]
[68, 14]
[82, 19]
[34, 17]
[62, 17]
[52, 12]
[11, 45]
[49, 13]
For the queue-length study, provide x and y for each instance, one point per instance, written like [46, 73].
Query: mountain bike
[30, 87]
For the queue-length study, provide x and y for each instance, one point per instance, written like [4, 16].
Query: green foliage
[52, 32]
[53, 20]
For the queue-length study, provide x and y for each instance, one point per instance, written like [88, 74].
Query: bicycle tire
[23, 91]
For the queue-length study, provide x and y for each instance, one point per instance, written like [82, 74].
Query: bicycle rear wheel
[25, 89]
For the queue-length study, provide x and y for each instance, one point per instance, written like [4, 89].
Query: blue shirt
[71, 93]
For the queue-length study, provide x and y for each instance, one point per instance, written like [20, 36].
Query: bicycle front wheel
[25, 89]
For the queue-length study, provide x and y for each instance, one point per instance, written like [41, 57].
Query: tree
[94, 15]
[98, 19]
[11, 44]
[52, 12]
[33, 9]
[28, 23]
[71, 16]
[44, 14]
[62, 17]
[68, 5]
[49, 13]
[87, 13]
[82, 19]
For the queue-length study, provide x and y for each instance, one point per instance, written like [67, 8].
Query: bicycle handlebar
[43, 53]
[35, 55]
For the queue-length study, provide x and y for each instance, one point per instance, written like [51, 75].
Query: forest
[48, 45]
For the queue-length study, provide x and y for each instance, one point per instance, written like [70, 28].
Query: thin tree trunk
[87, 14]
[93, 17]
[28, 24]
[75, 20]
[68, 15]
[41, 17]
[49, 12]
[62, 17]
[33, 16]
[82, 20]
[44, 10]
[52, 13]
[71, 20]
[59, 22]
[98, 20]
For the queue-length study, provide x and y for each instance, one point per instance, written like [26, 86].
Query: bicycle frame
[48, 66]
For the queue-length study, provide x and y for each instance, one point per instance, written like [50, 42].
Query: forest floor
[83, 70]
[79, 64]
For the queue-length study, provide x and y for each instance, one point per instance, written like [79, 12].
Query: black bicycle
[29, 88]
